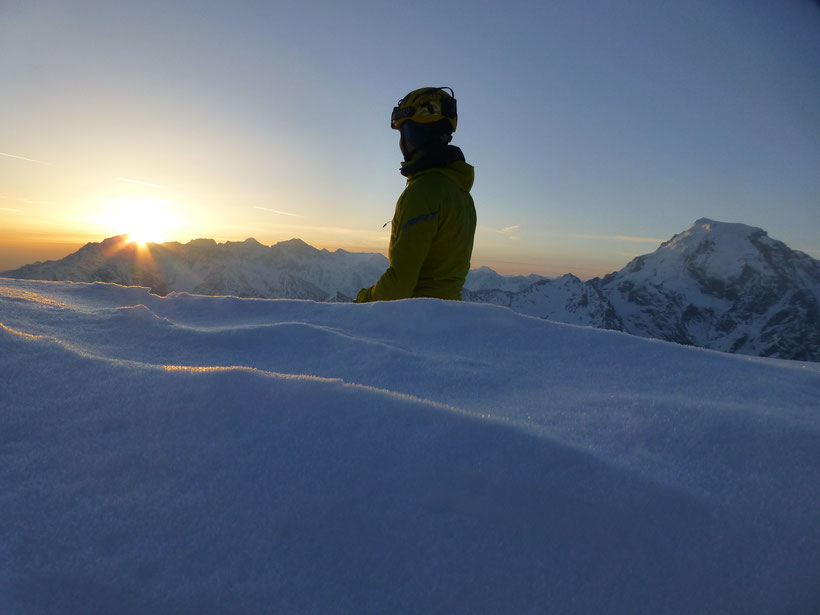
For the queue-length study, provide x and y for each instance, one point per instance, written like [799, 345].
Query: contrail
[24, 158]
[276, 211]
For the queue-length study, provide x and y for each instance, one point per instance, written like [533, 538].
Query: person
[433, 227]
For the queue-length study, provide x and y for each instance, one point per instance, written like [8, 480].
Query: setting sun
[143, 219]
[141, 238]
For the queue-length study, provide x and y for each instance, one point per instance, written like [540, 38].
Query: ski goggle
[433, 107]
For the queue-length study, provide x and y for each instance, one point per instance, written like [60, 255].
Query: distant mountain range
[718, 285]
[290, 269]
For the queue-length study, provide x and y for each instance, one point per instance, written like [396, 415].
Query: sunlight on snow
[18, 293]
[29, 336]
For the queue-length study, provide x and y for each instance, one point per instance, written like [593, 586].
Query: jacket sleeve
[414, 226]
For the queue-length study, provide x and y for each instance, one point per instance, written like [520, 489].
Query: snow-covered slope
[565, 299]
[724, 286]
[484, 278]
[191, 454]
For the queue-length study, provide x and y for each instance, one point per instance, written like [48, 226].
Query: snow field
[213, 454]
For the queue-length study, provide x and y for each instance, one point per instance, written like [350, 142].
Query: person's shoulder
[431, 180]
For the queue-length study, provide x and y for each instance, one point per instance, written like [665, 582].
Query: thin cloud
[510, 232]
[276, 211]
[26, 159]
[17, 211]
[620, 238]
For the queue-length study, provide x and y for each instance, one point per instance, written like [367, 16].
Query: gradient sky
[598, 129]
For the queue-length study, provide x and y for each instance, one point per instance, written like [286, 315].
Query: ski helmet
[426, 106]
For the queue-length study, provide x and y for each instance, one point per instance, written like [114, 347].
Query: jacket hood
[460, 172]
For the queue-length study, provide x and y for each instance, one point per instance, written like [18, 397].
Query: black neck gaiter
[428, 158]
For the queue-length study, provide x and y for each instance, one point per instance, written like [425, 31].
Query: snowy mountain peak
[248, 247]
[202, 243]
[715, 226]
[483, 278]
[729, 234]
[295, 247]
[116, 240]
[726, 286]
[295, 243]
[710, 249]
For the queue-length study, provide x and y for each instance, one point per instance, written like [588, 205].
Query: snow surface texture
[193, 454]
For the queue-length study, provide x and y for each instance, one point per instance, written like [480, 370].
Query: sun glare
[144, 220]
[142, 236]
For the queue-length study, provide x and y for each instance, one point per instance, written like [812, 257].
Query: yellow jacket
[431, 238]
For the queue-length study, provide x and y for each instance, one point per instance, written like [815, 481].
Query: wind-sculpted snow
[200, 454]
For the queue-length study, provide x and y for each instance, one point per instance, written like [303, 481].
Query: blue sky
[597, 129]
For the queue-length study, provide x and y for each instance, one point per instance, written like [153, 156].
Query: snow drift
[220, 455]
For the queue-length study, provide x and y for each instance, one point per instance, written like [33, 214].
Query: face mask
[416, 136]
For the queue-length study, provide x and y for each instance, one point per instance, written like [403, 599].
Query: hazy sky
[598, 129]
